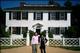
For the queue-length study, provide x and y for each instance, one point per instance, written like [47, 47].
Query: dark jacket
[42, 41]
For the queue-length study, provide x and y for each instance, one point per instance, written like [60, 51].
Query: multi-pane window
[17, 15]
[38, 16]
[24, 30]
[25, 15]
[57, 30]
[52, 15]
[16, 30]
[57, 16]
[62, 16]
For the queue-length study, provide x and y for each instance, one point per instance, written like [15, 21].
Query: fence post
[10, 41]
[79, 41]
[28, 39]
[63, 41]
[47, 38]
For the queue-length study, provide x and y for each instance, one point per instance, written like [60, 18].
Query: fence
[13, 42]
[52, 42]
[64, 42]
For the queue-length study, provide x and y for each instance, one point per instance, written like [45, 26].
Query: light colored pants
[34, 48]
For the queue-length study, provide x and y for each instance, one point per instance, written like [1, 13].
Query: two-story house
[37, 18]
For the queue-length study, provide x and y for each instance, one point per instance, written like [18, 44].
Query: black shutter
[10, 30]
[41, 15]
[49, 16]
[18, 15]
[57, 15]
[9, 15]
[48, 29]
[27, 15]
[65, 15]
[34, 15]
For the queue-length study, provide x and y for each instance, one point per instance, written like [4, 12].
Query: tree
[53, 2]
[68, 4]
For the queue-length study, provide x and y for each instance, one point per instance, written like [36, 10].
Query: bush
[3, 33]
[43, 33]
[50, 34]
[70, 33]
[31, 33]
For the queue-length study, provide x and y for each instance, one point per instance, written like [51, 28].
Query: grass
[71, 48]
[9, 47]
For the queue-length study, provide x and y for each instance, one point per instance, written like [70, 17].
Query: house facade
[37, 18]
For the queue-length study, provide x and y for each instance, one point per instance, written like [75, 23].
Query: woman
[42, 41]
[34, 42]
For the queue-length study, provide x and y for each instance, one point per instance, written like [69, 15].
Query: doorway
[38, 31]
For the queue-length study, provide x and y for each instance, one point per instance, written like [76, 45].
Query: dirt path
[28, 50]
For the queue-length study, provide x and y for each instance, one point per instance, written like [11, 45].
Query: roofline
[41, 10]
[40, 5]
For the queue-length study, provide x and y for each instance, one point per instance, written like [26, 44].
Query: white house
[37, 18]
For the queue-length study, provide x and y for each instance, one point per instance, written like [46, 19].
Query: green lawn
[72, 48]
[9, 47]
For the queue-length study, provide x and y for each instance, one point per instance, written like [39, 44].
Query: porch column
[47, 38]
[28, 38]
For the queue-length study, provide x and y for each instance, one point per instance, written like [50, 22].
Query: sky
[15, 3]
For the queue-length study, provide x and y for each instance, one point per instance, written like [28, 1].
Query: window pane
[62, 30]
[38, 16]
[16, 30]
[25, 15]
[62, 16]
[24, 30]
[17, 15]
[52, 15]
[57, 30]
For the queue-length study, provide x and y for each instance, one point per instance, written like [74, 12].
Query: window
[24, 30]
[25, 15]
[57, 16]
[52, 15]
[62, 16]
[16, 30]
[62, 29]
[17, 15]
[57, 30]
[38, 16]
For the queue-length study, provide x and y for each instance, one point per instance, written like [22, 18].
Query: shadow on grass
[9, 47]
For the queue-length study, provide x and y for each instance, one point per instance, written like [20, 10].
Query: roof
[35, 7]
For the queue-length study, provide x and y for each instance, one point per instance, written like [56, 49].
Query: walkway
[28, 50]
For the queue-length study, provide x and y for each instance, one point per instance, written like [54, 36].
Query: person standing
[42, 41]
[34, 42]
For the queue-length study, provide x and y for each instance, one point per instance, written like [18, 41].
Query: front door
[38, 31]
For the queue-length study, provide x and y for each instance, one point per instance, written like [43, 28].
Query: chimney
[22, 3]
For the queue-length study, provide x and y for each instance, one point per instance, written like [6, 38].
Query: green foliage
[43, 33]
[68, 4]
[50, 34]
[71, 33]
[3, 33]
[24, 34]
[31, 33]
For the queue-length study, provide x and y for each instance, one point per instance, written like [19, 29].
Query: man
[42, 41]
[34, 42]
